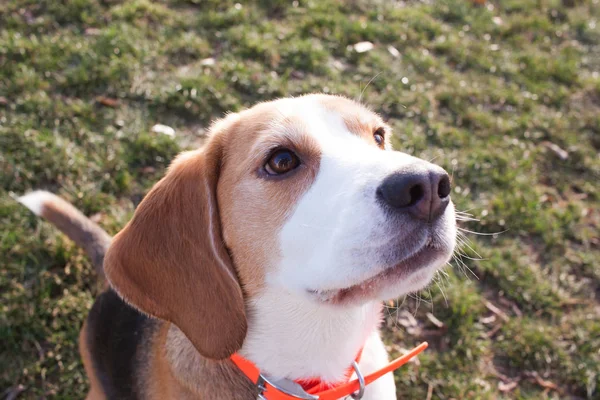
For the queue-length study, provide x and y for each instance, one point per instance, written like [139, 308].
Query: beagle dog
[277, 241]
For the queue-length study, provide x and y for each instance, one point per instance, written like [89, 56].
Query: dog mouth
[423, 258]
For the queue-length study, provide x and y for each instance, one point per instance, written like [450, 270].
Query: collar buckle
[285, 386]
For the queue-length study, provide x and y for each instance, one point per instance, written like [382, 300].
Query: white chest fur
[295, 338]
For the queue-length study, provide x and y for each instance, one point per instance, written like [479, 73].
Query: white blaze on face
[337, 232]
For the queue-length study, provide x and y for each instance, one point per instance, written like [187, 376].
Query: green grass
[483, 90]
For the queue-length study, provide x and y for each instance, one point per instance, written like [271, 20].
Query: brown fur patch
[170, 262]
[254, 206]
[195, 374]
[158, 377]
[173, 369]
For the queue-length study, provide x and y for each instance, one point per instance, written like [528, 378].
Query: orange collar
[283, 389]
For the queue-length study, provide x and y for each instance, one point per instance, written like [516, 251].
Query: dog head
[304, 194]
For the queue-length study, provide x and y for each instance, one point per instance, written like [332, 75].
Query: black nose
[424, 194]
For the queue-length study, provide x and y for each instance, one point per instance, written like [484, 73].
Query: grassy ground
[506, 96]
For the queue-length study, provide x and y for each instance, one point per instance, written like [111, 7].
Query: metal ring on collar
[361, 381]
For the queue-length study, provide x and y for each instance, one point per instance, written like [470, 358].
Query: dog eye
[379, 136]
[282, 161]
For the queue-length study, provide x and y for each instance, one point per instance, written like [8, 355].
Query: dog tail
[79, 228]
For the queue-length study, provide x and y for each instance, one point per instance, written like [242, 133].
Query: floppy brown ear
[170, 261]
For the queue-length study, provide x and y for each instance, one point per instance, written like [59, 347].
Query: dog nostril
[423, 193]
[416, 194]
[444, 187]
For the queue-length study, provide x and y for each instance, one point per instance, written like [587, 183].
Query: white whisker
[483, 233]
[368, 83]
[437, 282]
[464, 265]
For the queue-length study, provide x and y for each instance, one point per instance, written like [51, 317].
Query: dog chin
[417, 281]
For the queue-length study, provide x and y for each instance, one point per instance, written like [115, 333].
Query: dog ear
[170, 260]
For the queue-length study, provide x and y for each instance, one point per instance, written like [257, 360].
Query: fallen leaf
[406, 319]
[504, 301]
[488, 320]
[534, 376]
[393, 51]
[297, 74]
[491, 333]
[562, 154]
[434, 320]
[496, 311]
[164, 129]
[92, 31]
[107, 101]
[362, 47]
[502, 377]
[429, 391]
[507, 387]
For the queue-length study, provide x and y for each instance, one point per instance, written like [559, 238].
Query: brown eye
[379, 136]
[281, 161]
